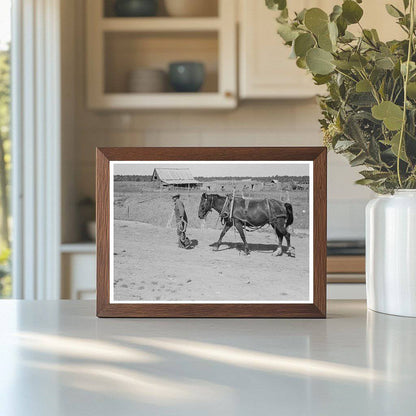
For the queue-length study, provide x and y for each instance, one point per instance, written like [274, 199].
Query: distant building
[175, 177]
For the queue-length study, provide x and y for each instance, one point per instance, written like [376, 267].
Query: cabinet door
[265, 68]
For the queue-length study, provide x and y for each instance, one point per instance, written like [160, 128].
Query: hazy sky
[218, 169]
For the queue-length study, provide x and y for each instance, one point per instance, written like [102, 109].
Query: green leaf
[284, 13]
[361, 99]
[327, 40]
[286, 32]
[301, 63]
[319, 61]
[368, 36]
[301, 15]
[324, 42]
[412, 67]
[375, 35]
[363, 86]
[321, 79]
[336, 12]
[391, 114]
[358, 61]
[364, 181]
[393, 11]
[374, 150]
[333, 32]
[342, 25]
[316, 20]
[343, 65]
[394, 145]
[411, 90]
[406, 4]
[343, 145]
[347, 37]
[374, 175]
[351, 11]
[303, 43]
[385, 63]
[358, 160]
[276, 4]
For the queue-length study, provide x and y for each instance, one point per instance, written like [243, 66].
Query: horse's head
[205, 206]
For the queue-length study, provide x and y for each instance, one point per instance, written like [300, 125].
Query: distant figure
[181, 222]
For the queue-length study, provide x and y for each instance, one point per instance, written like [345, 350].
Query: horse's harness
[229, 215]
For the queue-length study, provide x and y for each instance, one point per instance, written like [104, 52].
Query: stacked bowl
[147, 80]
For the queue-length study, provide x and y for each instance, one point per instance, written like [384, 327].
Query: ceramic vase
[391, 253]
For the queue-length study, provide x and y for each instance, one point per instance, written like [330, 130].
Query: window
[5, 144]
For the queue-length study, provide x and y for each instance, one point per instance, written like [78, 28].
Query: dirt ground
[149, 266]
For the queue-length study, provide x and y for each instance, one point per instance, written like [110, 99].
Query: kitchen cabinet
[118, 45]
[265, 70]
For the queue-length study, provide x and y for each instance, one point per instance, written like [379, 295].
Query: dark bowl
[186, 76]
[136, 8]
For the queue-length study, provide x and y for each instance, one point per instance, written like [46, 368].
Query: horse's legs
[279, 240]
[290, 250]
[227, 226]
[240, 229]
[281, 232]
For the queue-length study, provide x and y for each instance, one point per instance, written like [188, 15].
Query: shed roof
[174, 175]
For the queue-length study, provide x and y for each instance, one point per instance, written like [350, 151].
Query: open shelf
[128, 51]
[116, 46]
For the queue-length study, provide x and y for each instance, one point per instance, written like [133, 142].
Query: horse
[250, 214]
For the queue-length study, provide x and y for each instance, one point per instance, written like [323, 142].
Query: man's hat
[176, 196]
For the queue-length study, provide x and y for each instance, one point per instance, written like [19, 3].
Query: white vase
[391, 253]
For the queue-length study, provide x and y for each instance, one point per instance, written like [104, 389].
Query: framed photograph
[211, 232]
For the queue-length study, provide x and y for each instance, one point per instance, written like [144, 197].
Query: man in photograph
[181, 221]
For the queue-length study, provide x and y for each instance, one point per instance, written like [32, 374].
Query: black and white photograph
[210, 232]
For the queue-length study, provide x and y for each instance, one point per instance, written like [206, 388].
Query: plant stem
[345, 75]
[406, 80]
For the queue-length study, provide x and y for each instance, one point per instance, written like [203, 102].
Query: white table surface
[58, 359]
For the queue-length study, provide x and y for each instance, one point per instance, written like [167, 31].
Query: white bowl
[146, 80]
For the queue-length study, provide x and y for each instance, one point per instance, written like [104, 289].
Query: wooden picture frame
[315, 308]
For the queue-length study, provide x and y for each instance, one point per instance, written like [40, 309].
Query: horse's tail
[289, 212]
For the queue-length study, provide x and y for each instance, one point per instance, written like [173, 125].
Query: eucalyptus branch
[375, 123]
[346, 75]
[373, 89]
[406, 80]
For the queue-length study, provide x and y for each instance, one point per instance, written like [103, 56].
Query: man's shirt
[180, 211]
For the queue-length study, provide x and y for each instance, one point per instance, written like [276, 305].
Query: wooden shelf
[128, 101]
[159, 24]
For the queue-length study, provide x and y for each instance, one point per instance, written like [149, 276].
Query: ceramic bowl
[186, 76]
[135, 8]
[147, 80]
